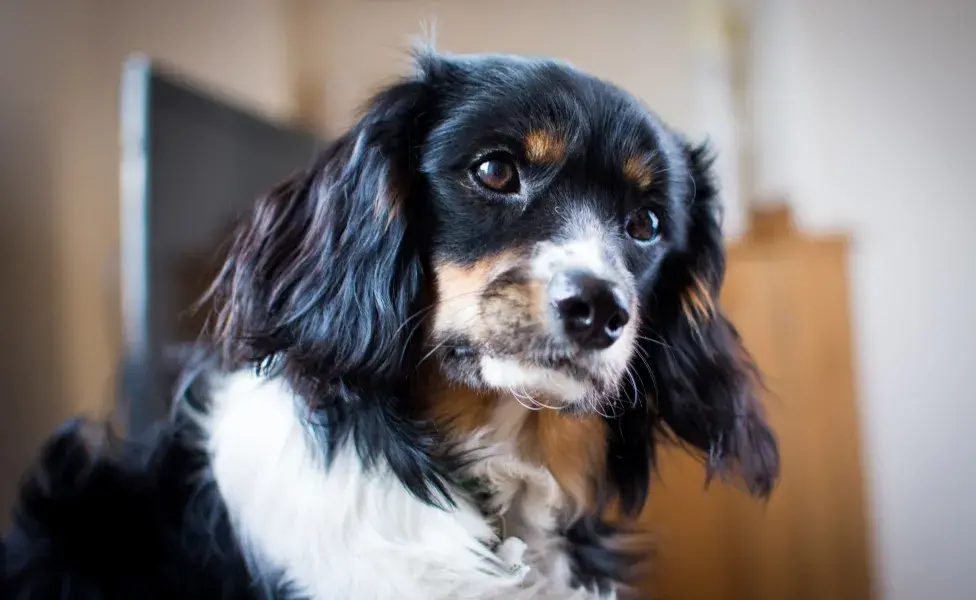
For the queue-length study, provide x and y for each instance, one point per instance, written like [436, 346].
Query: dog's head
[526, 227]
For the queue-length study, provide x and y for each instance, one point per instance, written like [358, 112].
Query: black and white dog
[441, 359]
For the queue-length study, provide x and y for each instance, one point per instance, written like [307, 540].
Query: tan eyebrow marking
[543, 146]
[639, 172]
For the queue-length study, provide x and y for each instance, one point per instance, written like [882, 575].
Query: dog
[440, 360]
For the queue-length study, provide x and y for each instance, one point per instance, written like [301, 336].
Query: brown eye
[643, 225]
[498, 175]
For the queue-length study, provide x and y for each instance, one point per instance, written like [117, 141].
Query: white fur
[510, 374]
[341, 532]
[584, 247]
[526, 495]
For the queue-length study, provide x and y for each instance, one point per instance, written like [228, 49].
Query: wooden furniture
[788, 295]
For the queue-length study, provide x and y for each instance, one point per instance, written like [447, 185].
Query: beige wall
[60, 65]
[30, 323]
[656, 49]
[234, 47]
[643, 46]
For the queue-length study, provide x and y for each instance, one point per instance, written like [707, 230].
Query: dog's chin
[535, 384]
[562, 385]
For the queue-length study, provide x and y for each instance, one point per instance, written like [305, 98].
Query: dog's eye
[644, 225]
[498, 174]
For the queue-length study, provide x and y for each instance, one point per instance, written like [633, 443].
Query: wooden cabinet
[788, 294]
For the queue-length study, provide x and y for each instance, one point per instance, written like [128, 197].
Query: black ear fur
[327, 270]
[324, 284]
[700, 380]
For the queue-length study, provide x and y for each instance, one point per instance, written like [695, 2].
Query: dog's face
[556, 197]
[525, 227]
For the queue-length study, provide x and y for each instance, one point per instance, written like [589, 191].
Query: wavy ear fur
[327, 270]
[322, 284]
[702, 382]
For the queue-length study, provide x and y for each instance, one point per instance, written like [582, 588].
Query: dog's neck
[505, 430]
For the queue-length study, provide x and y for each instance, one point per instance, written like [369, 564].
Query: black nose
[593, 310]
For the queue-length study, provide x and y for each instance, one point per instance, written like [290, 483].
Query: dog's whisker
[542, 404]
[629, 373]
[661, 342]
[521, 399]
[408, 320]
[431, 353]
[642, 355]
[601, 408]
[427, 309]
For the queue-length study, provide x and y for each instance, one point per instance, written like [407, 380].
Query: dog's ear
[707, 384]
[697, 376]
[328, 271]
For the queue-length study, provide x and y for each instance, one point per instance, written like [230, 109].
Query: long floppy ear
[702, 383]
[323, 284]
[322, 278]
[707, 383]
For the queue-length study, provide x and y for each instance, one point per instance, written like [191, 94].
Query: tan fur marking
[387, 202]
[521, 302]
[456, 280]
[572, 447]
[697, 303]
[543, 146]
[465, 279]
[459, 288]
[459, 410]
[637, 171]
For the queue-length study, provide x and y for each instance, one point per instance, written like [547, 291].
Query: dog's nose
[593, 311]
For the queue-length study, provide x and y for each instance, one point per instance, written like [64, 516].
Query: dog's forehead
[588, 151]
[547, 106]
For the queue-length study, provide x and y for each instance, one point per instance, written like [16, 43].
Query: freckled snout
[592, 311]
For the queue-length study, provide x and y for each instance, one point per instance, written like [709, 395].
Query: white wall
[870, 126]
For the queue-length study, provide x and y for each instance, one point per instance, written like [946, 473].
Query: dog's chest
[524, 496]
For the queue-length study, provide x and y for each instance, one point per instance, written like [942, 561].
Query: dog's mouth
[542, 377]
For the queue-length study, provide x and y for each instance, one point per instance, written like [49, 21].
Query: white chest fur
[344, 532]
[526, 496]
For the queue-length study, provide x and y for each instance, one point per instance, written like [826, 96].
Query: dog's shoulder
[100, 517]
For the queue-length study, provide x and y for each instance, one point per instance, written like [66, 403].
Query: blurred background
[846, 131]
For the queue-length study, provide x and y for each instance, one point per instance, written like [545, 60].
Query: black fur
[596, 561]
[700, 381]
[328, 285]
[322, 279]
[124, 519]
